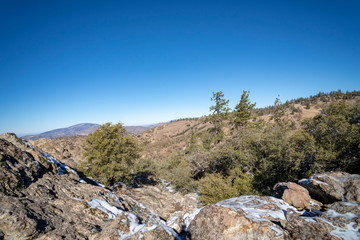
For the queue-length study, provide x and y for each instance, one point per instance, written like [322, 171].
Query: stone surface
[245, 217]
[254, 217]
[41, 198]
[293, 194]
[307, 228]
[333, 186]
[68, 150]
[168, 204]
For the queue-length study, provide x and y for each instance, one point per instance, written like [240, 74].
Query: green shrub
[216, 187]
[110, 153]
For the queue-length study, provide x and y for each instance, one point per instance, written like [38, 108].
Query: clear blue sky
[139, 62]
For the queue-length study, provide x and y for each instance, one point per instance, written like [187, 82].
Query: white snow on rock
[135, 225]
[346, 233]
[105, 207]
[251, 205]
[333, 214]
[307, 181]
[254, 209]
[352, 204]
[188, 217]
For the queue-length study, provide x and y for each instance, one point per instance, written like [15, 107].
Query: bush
[216, 187]
[110, 153]
[176, 169]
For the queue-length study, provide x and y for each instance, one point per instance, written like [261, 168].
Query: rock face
[41, 198]
[68, 150]
[293, 194]
[245, 217]
[171, 206]
[254, 217]
[333, 186]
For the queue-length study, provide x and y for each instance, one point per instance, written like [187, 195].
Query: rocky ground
[326, 207]
[43, 198]
[68, 150]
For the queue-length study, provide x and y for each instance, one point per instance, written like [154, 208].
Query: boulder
[169, 205]
[333, 186]
[255, 217]
[340, 221]
[293, 194]
[306, 228]
[245, 217]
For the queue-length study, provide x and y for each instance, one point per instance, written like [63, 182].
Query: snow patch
[82, 180]
[105, 207]
[253, 209]
[251, 205]
[188, 217]
[350, 204]
[348, 233]
[333, 214]
[311, 180]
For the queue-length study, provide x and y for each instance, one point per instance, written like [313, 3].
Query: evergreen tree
[219, 110]
[279, 111]
[242, 113]
[110, 153]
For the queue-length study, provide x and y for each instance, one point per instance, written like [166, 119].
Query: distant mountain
[140, 129]
[84, 129]
[78, 129]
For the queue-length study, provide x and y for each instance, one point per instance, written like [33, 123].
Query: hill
[84, 129]
[78, 129]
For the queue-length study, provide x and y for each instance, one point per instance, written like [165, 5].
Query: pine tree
[219, 111]
[242, 113]
[279, 111]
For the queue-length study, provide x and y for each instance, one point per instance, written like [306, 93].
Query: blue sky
[141, 62]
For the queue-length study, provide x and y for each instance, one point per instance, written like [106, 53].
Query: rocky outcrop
[171, 206]
[255, 217]
[245, 217]
[293, 194]
[68, 150]
[333, 186]
[41, 198]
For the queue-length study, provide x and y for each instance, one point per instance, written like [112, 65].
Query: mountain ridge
[83, 129]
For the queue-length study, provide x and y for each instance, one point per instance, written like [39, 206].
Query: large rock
[307, 228]
[254, 217]
[245, 217]
[169, 205]
[333, 186]
[293, 194]
[340, 221]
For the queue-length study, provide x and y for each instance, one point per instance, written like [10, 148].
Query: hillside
[167, 139]
[160, 141]
[84, 129]
[78, 129]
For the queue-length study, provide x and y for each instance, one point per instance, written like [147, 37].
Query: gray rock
[333, 186]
